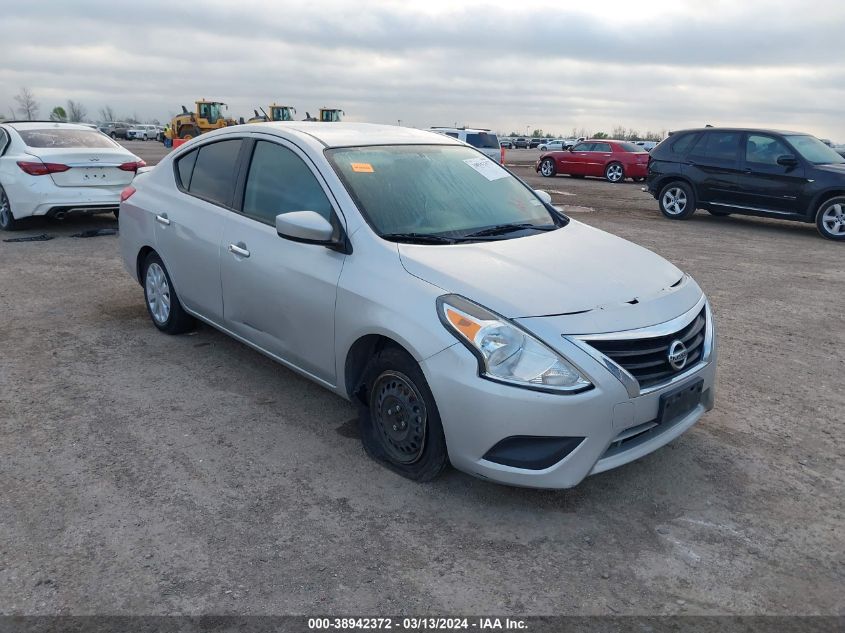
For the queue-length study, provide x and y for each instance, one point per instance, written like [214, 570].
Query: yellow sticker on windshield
[364, 168]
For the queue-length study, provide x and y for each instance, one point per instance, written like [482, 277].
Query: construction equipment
[277, 113]
[327, 115]
[207, 116]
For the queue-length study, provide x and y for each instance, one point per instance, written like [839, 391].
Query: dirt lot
[141, 473]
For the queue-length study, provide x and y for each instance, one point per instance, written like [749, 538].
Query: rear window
[213, 175]
[65, 138]
[483, 140]
[632, 147]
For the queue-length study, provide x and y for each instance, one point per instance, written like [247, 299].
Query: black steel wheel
[400, 424]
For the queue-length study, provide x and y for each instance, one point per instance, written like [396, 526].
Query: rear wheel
[547, 167]
[162, 302]
[400, 424]
[677, 201]
[830, 219]
[614, 173]
[189, 133]
[7, 220]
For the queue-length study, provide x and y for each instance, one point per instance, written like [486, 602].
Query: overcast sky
[512, 65]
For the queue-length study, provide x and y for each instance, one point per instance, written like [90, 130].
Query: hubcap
[614, 173]
[158, 293]
[400, 416]
[675, 201]
[546, 168]
[833, 219]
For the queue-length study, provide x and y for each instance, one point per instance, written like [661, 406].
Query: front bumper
[477, 414]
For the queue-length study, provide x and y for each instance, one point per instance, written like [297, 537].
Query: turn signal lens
[506, 352]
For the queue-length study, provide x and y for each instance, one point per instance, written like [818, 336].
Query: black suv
[786, 175]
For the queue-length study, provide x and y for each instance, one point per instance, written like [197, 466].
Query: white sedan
[56, 169]
[557, 144]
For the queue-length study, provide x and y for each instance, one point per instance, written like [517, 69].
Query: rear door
[280, 294]
[765, 185]
[189, 224]
[713, 164]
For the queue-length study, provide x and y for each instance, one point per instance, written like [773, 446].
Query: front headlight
[505, 352]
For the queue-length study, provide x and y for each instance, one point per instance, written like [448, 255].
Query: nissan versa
[472, 321]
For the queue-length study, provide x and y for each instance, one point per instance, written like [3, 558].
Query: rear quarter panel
[137, 224]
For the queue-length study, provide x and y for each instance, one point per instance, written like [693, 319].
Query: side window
[280, 182]
[583, 147]
[4, 141]
[717, 146]
[185, 167]
[452, 134]
[682, 144]
[214, 172]
[764, 150]
[601, 147]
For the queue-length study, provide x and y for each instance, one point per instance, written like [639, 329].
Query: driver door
[279, 294]
[575, 162]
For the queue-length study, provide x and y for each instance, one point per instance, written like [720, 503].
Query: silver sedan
[473, 322]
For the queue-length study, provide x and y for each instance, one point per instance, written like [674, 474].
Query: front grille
[647, 359]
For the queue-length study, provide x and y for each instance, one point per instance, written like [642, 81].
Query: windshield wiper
[501, 229]
[418, 238]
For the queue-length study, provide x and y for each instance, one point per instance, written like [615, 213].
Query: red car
[613, 160]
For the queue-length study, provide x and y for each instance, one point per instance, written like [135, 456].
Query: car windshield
[64, 138]
[813, 150]
[631, 147]
[483, 140]
[438, 191]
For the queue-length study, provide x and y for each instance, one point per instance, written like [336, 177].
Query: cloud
[657, 65]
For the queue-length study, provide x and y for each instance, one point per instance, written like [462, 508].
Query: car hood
[838, 169]
[576, 270]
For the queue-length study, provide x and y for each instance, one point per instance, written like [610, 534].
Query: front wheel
[614, 173]
[7, 220]
[830, 219]
[162, 302]
[547, 168]
[400, 424]
[677, 201]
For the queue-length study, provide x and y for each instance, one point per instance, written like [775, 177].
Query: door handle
[239, 249]
[162, 219]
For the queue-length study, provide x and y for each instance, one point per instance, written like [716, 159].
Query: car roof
[342, 134]
[40, 125]
[740, 129]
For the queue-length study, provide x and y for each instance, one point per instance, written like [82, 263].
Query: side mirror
[543, 195]
[304, 226]
[787, 160]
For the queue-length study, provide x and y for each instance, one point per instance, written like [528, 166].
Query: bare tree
[76, 112]
[27, 105]
[107, 114]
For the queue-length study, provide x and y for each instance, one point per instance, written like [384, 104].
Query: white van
[483, 140]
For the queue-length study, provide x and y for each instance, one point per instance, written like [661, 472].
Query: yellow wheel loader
[207, 116]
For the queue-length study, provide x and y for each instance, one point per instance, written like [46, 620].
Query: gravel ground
[146, 474]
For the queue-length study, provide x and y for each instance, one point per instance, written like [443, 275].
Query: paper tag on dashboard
[487, 168]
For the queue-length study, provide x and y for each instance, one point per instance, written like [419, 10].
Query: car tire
[548, 168]
[718, 214]
[113, 135]
[614, 173]
[399, 422]
[677, 200]
[189, 133]
[830, 219]
[160, 297]
[7, 219]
